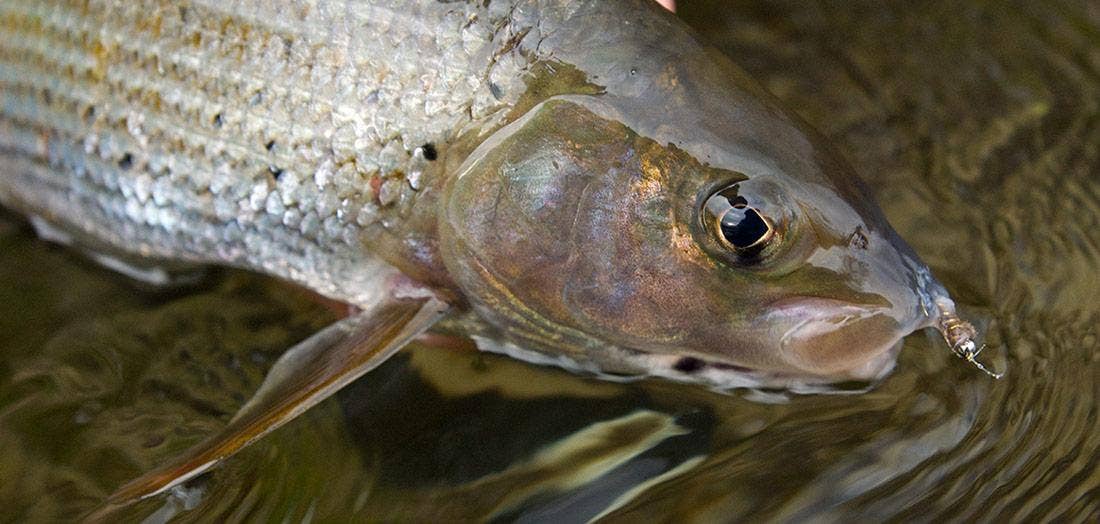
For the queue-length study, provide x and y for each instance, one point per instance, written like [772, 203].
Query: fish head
[583, 241]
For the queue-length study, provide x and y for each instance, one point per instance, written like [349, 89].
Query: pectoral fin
[305, 375]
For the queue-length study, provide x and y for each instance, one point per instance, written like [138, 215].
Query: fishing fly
[959, 335]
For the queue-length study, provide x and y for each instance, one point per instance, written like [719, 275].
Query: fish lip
[816, 308]
[808, 322]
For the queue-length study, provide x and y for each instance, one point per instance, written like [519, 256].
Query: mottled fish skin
[282, 136]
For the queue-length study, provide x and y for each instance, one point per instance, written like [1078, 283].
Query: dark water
[976, 123]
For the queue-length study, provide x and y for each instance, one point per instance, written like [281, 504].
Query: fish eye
[738, 224]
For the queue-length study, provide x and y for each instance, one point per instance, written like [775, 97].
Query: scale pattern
[273, 135]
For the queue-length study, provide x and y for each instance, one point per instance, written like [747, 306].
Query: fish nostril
[689, 365]
[858, 239]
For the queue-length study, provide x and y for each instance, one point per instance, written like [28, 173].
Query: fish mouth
[828, 337]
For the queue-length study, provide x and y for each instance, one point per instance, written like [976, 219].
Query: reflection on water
[978, 127]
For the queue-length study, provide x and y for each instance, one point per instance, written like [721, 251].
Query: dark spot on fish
[287, 44]
[275, 172]
[126, 162]
[218, 121]
[496, 91]
[429, 151]
[269, 145]
[689, 365]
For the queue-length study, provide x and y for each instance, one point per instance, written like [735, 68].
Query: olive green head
[583, 241]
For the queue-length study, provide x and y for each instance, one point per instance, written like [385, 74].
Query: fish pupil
[743, 227]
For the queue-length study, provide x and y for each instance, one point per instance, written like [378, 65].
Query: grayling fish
[579, 183]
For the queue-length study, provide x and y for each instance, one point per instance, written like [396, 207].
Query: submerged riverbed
[976, 125]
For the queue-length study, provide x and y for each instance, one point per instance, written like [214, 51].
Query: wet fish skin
[293, 137]
[285, 137]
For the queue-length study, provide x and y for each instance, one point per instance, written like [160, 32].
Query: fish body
[574, 178]
[582, 183]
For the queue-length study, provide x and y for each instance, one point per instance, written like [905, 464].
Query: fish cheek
[637, 293]
[622, 278]
[637, 275]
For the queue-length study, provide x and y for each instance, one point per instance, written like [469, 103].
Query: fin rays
[305, 375]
